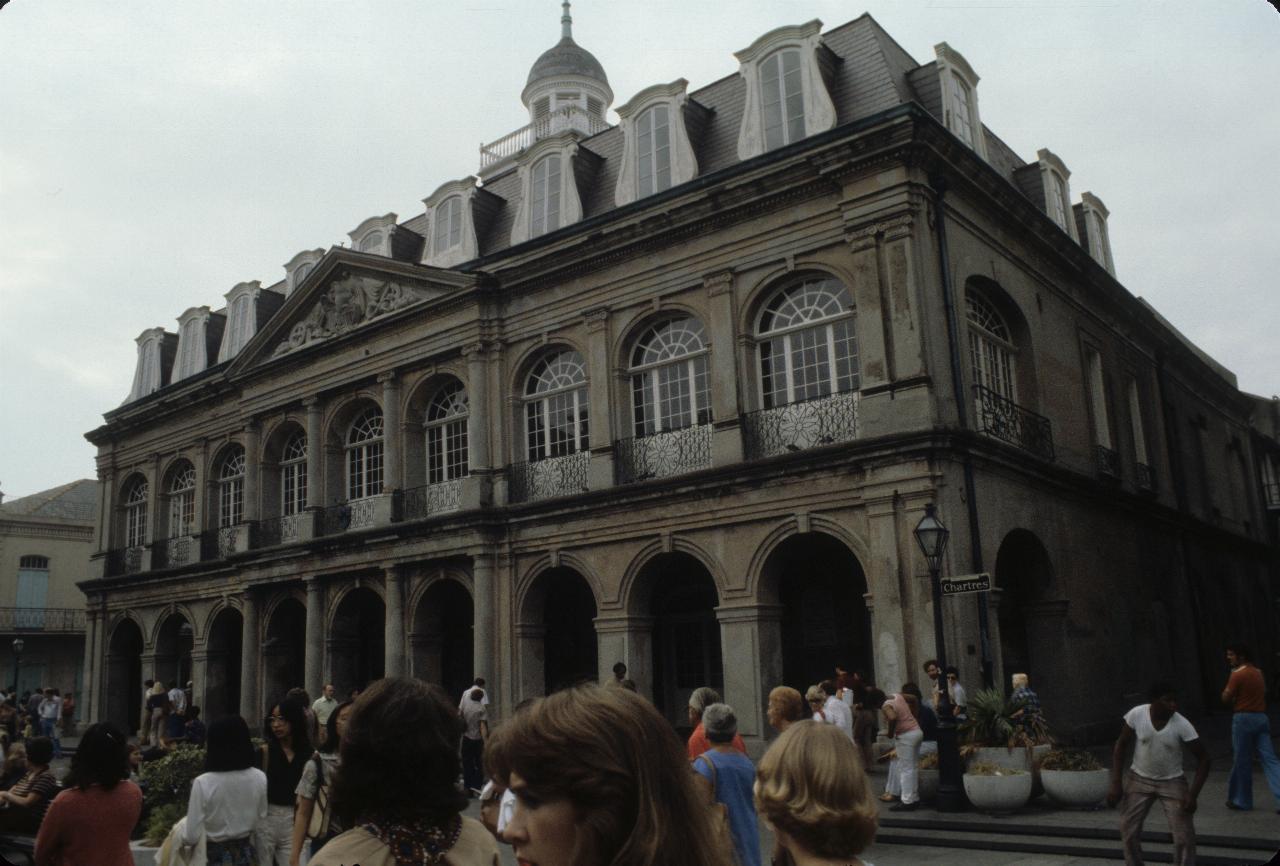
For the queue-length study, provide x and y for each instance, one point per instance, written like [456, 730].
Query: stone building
[675, 392]
[46, 540]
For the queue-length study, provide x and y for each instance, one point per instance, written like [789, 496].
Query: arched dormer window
[134, 502]
[447, 229]
[657, 152]
[182, 500]
[959, 86]
[782, 98]
[991, 348]
[670, 386]
[786, 71]
[193, 350]
[556, 406]
[242, 319]
[446, 431]
[364, 455]
[293, 475]
[299, 267]
[808, 346]
[544, 199]
[374, 235]
[149, 375]
[231, 488]
[1091, 226]
[653, 150]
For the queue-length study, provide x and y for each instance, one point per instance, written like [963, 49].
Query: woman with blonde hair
[811, 789]
[601, 779]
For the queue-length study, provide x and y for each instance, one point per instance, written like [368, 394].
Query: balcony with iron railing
[42, 619]
[800, 426]
[568, 117]
[1108, 460]
[285, 529]
[177, 551]
[549, 478]
[1001, 418]
[1144, 477]
[418, 503]
[660, 455]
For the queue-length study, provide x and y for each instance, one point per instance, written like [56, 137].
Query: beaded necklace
[418, 843]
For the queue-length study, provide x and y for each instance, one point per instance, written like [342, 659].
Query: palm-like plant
[997, 721]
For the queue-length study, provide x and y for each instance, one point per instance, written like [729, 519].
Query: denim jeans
[1250, 732]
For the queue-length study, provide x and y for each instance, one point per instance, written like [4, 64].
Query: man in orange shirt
[1250, 729]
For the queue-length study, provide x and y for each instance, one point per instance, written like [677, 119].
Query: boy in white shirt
[1157, 732]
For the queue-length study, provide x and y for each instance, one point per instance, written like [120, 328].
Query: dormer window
[544, 211]
[1057, 199]
[653, 150]
[458, 211]
[657, 150]
[242, 319]
[1091, 224]
[786, 71]
[551, 199]
[148, 376]
[299, 267]
[193, 351]
[1057, 194]
[447, 231]
[374, 235]
[959, 86]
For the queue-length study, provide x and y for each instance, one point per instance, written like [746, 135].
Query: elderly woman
[703, 697]
[786, 707]
[727, 776]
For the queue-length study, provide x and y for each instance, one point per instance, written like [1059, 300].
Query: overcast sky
[154, 153]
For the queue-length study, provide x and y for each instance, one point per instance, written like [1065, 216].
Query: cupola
[566, 75]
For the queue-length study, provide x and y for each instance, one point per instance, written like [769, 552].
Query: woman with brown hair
[601, 779]
[397, 788]
[811, 789]
[786, 707]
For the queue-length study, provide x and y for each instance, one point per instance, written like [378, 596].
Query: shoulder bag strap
[712, 765]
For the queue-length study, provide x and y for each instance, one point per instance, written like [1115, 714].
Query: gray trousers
[1140, 794]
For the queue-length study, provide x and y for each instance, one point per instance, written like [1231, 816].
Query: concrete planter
[1076, 789]
[998, 795]
[928, 785]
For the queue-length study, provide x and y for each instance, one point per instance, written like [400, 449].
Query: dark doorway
[284, 651]
[568, 612]
[173, 651]
[124, 676]
[442, 638]
[222, 691]
[686, 635]
[357, 642]
[1024, 575]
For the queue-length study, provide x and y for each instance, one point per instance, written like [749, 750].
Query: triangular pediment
[347, 291]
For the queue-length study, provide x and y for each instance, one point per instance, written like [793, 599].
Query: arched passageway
[557, 633]
[222, 687]
[284, 650]
[173, 651]
[357, 642]
[124, 676]
[820, 585]
[442, 636]
[1024, 577]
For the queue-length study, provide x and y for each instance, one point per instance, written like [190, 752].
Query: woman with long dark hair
[22, 807]
[284, 757]
[319, 773]
[88, 824]
[228, 801]
[398, 788]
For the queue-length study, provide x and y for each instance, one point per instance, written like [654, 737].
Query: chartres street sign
[966, 583]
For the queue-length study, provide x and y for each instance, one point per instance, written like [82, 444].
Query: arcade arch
[442, 636]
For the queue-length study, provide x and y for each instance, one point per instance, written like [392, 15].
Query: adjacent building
[675, 392]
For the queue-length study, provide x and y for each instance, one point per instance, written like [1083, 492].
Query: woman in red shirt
[88, 824]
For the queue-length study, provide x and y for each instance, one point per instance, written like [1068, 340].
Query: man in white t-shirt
[178, 698]
[1157, 732]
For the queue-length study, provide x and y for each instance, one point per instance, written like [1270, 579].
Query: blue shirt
[734, 777]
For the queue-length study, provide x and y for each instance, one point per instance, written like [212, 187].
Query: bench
[17, 850]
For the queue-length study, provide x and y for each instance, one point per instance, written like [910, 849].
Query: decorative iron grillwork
[1108, 461]
[42, 619]
[126, 560]
[430, 499]
[179, 551]
[1145, 476]
[673, 452]
[362, 513]
[799, 426]
[278, 530]
[1003, 419]
[227, 538]
[335, 519]
[545, 479]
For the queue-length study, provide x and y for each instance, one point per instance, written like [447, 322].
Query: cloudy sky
[154, 153]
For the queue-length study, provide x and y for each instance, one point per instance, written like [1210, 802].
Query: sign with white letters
[960, 583]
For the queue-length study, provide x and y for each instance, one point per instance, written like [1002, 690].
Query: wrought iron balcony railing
[1001, 418]
[567, 117]
[124, 560]
[431, 499]
[546, 479]
[1145, 477]
[1108, 461]
[800, 426]
[659, 455]
[284, 529]
[46, 619]
[176, 551]
[1271, 493]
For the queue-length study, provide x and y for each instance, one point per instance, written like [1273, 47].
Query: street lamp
[18, 644]
[932, 537]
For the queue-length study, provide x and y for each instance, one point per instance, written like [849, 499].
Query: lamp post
[932, 537]
[18, 644]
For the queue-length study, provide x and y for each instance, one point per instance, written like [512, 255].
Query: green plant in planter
[160, 822]
[167, 786]
[1075, 760]
[983, 768]
[994, 721]
[928, 762]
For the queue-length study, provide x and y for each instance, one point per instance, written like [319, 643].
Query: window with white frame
[556, 406]
[364, 455]
[961, 109]
[447, 228]
[1057, 194]
[231, 488]
[182, 500]
[808, 345]
[446, 431]
[991, 347]
[653, 150]
[1097, 397]
[1096, 226]
[782, 98]
[192, 352]
[371, 242]
[958, 86]
[670, 385]
[544, 207]
[1135, 422]
[293, 475]
[135, 511]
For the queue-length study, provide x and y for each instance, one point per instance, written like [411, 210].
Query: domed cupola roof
[566, 58]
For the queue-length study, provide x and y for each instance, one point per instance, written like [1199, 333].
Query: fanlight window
[293, 475]
[544, 213]
[135, 512]
[231, 489]
[782, 96]
[446, 427]
[364, 455]
[653, 150]
[556, 406]
[182, 501]
[670, 387]
[990, 347]
[38, 563]
[448, 224]
[808, 346]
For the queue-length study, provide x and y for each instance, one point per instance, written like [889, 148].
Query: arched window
[135, 512]
[182, 501]
[556, 406]
[448, 224]
[447, 434]
[653, 151]
[782, 98]
[990, 347]
[544, 203]
[231, 489]
[808, 347]
[371, 242]
[364, 455]
[961, 109]
[670, 387]
[293, 475]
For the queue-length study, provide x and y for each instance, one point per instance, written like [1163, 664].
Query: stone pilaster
[892, 626]
[531, 651]
[315, 453]
[250, 648]
[252, 470]
[726, 436]
[484, 650]
[755, 633]
[199, 677]
[600, 473]
[86, 703]
[393, 634]
[626, 639]
[392, 464]
[478, 417]
[313, 662]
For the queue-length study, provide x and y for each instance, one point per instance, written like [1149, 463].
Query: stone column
[726, 436]
[155, 501]
[893, 626]
[250, 648]
[754, 632]
[394, 646]
[206, 489]
[482, 656]
[313, 664]
[87, 703]
[392, 465]
[200, 677]
[315, 453]
[252, 471]
[107, 530]
[478, 418]
[531, 660]
[600, 473]
[626, 639]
